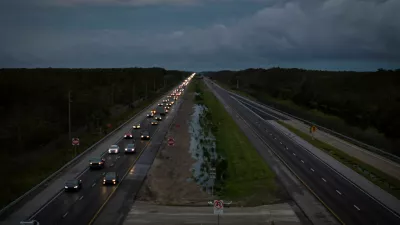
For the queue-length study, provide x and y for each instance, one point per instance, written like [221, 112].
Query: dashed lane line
[65, 214]
[302, 161]
[312, 169]
[81, 197]
[340, 193]
[356, 207]
[94, 184]
[323, 179]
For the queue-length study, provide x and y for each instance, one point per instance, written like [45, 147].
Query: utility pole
[69, 115]
[146, 89]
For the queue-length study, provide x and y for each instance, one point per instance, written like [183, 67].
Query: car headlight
[141, 136]
[76, 187]
[104, 180]
[113, 180]
[100, 162]
[65, 187]
[90, 163]
[148, 136]
[126, 149]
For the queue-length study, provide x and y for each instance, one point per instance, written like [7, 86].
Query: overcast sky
[201, 34]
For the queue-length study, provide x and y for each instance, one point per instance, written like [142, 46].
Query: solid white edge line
[394, 212]
[48, 203]
[340, 193]
[356, 207]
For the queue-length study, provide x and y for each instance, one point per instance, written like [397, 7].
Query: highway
[349, 204]
[81, 206]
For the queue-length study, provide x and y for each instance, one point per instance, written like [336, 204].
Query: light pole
[69, 115]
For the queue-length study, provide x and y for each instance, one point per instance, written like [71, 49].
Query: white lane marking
[112, 164]
[294, 154]
[94, 184]
[65, 214]
[356, 207]
[302, 161]
[270, 133]
[323, 179]
[287, 148]
[280, 142]
[81, 197]
[48, 203]
[312, 169]
[339, 192]
[104, 173]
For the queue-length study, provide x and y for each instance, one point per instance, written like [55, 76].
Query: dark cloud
[283, 32]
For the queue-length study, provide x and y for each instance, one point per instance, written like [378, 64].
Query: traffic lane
[84, 213]
[66, 199]
[270, 112]
[370, 211]
[63, 202]
[346, 207]
[92, 200]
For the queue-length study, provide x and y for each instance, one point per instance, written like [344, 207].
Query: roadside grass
[26, 171]
[384, 181]
[370, 135]
[246, 177]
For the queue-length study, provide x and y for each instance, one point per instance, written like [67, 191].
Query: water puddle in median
[202, 148]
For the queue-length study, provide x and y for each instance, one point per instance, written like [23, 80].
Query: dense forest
[368, 103]
[34, 102]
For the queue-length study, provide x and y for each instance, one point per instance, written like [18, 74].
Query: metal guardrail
[363, 145]
[16, 201]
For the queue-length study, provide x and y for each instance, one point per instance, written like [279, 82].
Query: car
[153, 111]
[154, 122]
[165, 100]
[167, 107]
[97, 163]
[113, 149]
[110, 178]
[160, 104]
[128, 136]
[137, 126]
[149, 115]
[158, 117]
[130, 148]
[73, 185]
[145, 135]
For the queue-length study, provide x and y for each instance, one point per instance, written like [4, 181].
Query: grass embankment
[46, 163]
[246, 177]
[373, 174]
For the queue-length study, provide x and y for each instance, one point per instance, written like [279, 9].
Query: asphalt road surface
[350, 204]
[75, 208]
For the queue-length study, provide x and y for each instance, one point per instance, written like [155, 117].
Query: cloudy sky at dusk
[201, 34]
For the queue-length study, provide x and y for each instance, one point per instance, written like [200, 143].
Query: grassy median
[373, 174]
[247, 179]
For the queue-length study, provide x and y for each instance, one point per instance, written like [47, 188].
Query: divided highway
[82, 206]
[349, 204]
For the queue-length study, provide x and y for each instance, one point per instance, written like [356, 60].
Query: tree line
[368, 102]
[34, 102]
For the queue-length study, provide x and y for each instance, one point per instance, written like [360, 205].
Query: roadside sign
[171, 142]
[218, 207]
[313, 129]
[75, 141]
